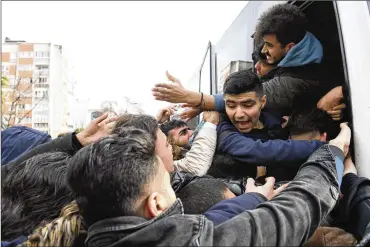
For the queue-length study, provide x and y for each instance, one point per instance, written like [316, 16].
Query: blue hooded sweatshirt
[255, 149]
[308, 50]
[18, 140]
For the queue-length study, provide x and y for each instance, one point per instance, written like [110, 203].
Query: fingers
[100, 119]
[171, 78]
[339, 107]
[270, 182]
[161, 86]
[281, 188]
[250, 185]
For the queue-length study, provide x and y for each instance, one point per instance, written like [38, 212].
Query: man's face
[244, 110]
[181, 136]
[274, 50]
[164, 150]
[263, 68]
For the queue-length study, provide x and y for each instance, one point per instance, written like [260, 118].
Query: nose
[239, 113]
[190, 133]
[258, 67]
[264, 49]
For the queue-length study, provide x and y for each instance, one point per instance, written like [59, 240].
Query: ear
[263, 101]
[289, 46]
[155, 205]
[323, 137]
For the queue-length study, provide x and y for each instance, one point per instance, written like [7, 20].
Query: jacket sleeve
[356, 204]
[251, 151]
[281, 91]
[230, 208]
[198, 160]
[219, 102]
[68, 144]
[290, 218]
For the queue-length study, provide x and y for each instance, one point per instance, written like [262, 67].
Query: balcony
[41, 60]
[42, 72]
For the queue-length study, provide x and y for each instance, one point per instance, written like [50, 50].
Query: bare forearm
[194, 99]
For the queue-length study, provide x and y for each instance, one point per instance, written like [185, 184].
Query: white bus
[343, 27]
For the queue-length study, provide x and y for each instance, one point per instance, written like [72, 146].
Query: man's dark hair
[286, 21]
[301, 122]
[109, 176]
[140, 121]
[32, 192]
[201, 194]
[243, 81]
[171, 125]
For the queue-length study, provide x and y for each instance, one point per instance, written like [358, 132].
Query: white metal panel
[355, 24]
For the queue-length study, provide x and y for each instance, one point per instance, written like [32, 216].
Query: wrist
[82, 139]
[193, 98]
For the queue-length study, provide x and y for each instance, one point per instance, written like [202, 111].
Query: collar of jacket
[129, 223]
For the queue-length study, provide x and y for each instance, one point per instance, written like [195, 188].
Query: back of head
[243, 81]
[139, 121]
[34, 191]
[110, 175]
[202, 194]
[310, 121]
[286, 21]
[224, 166]
[171, 125]
[67, 230]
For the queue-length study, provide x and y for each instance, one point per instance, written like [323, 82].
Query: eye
[231, 106]
[247, 105]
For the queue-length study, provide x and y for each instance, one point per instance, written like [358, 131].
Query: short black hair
[140, 121]
[286, 21]
[202, 194]
[171, 125]
[301, 122]
[34, 191]
[110, 175]
[243, 81]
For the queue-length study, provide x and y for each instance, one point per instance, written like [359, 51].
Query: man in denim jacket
[125, 196]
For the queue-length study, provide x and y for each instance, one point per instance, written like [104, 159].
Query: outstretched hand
[97, 129]
[267, 189]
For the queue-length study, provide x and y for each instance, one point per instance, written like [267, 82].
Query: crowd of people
[269, 164]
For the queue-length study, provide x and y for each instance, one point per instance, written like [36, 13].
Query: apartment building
[39, 93]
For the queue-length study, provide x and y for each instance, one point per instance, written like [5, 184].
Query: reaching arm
[198, 160]
[290, 218]
[251, 151]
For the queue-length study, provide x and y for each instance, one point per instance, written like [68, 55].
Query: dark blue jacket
[230, 208]
[257, 148]
[18, 140]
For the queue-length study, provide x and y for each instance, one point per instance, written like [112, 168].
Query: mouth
[243, 124]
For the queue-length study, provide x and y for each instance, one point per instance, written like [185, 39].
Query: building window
[42, 54]
[26, 54]
[21, 107]
[25, 67]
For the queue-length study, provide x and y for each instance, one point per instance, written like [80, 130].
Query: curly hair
[34, 191]
[67, 230]
[286, 21]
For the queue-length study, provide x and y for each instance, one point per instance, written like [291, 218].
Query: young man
[138, 207]
[252, 136]
[177, 131]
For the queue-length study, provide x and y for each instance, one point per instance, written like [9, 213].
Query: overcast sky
[123, 48]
